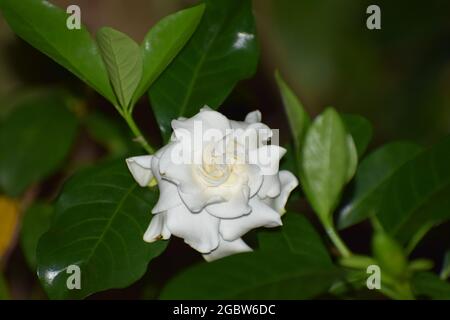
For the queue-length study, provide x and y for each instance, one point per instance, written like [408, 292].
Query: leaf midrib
[109, 224]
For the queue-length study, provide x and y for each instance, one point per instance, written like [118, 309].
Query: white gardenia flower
[218, 179]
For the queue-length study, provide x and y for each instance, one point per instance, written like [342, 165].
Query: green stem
[139, 137]
[417, 237]
[337, 241]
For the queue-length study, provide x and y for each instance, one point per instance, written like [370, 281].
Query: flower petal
[168, 191]
[157, 229]
[288, 183]
[208, 120]
[262, 215]
[199, 230]
[236, 206]
[255, 179]
[141, 169]
[227, 248]
[253, 117]
[267, 158]
[271, 186]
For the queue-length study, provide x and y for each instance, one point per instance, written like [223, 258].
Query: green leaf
[109, 133]
[417, 193]
[325, 162]
[222, 51]
[100, 219]
[4, 291]
[164, 41]
[371, 179]
[297, 235]
[123, 60]
[43, 25]
[34, 140]
[360, 129]
[352, 158]
[35, 223]
[445, 272]
[297, 116]
[291, 264]
[429, 285]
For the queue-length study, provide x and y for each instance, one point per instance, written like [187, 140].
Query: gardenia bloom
[216, 188]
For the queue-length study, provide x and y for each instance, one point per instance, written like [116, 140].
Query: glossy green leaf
[360, 129]
[295, 266]
[222, 51]
[100, 219]
[325, 162]
[35, 223]
[445, 272]
[298, 118]
[371, 179]
[427, 284]
[164, 41]
[123, 60]
[297, 235]
[43, 25]
[418, 193]
[34, 140]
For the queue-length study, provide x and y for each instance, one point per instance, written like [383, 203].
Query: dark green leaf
[427, 284]
[360, 129]
[4, 291]
[44, 26]
[34, 140]
[222, 51]
[100, 219]
[297, 235]
[123, 61]
[109, 133]
[163, 42]
[35, 223]
[371, 179]
[325, 162]
[417, 193]
[445, 272]
[289, 266]
[298, 118]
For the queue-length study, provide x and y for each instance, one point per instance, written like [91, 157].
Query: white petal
[261, 216]
[168, 197]
[168, 191]
[141, 169]
[177, 171]
[227, 248]
[196, 202]
[255, 179]
[157, 229]
[288, 183]
[271, 186]
[199, 230]
[267, 158]
[208, 118]
[254, 116]
[236, 206]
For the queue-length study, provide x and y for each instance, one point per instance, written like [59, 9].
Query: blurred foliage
[396, 79]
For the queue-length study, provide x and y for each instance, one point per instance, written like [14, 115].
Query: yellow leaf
[9, 217]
